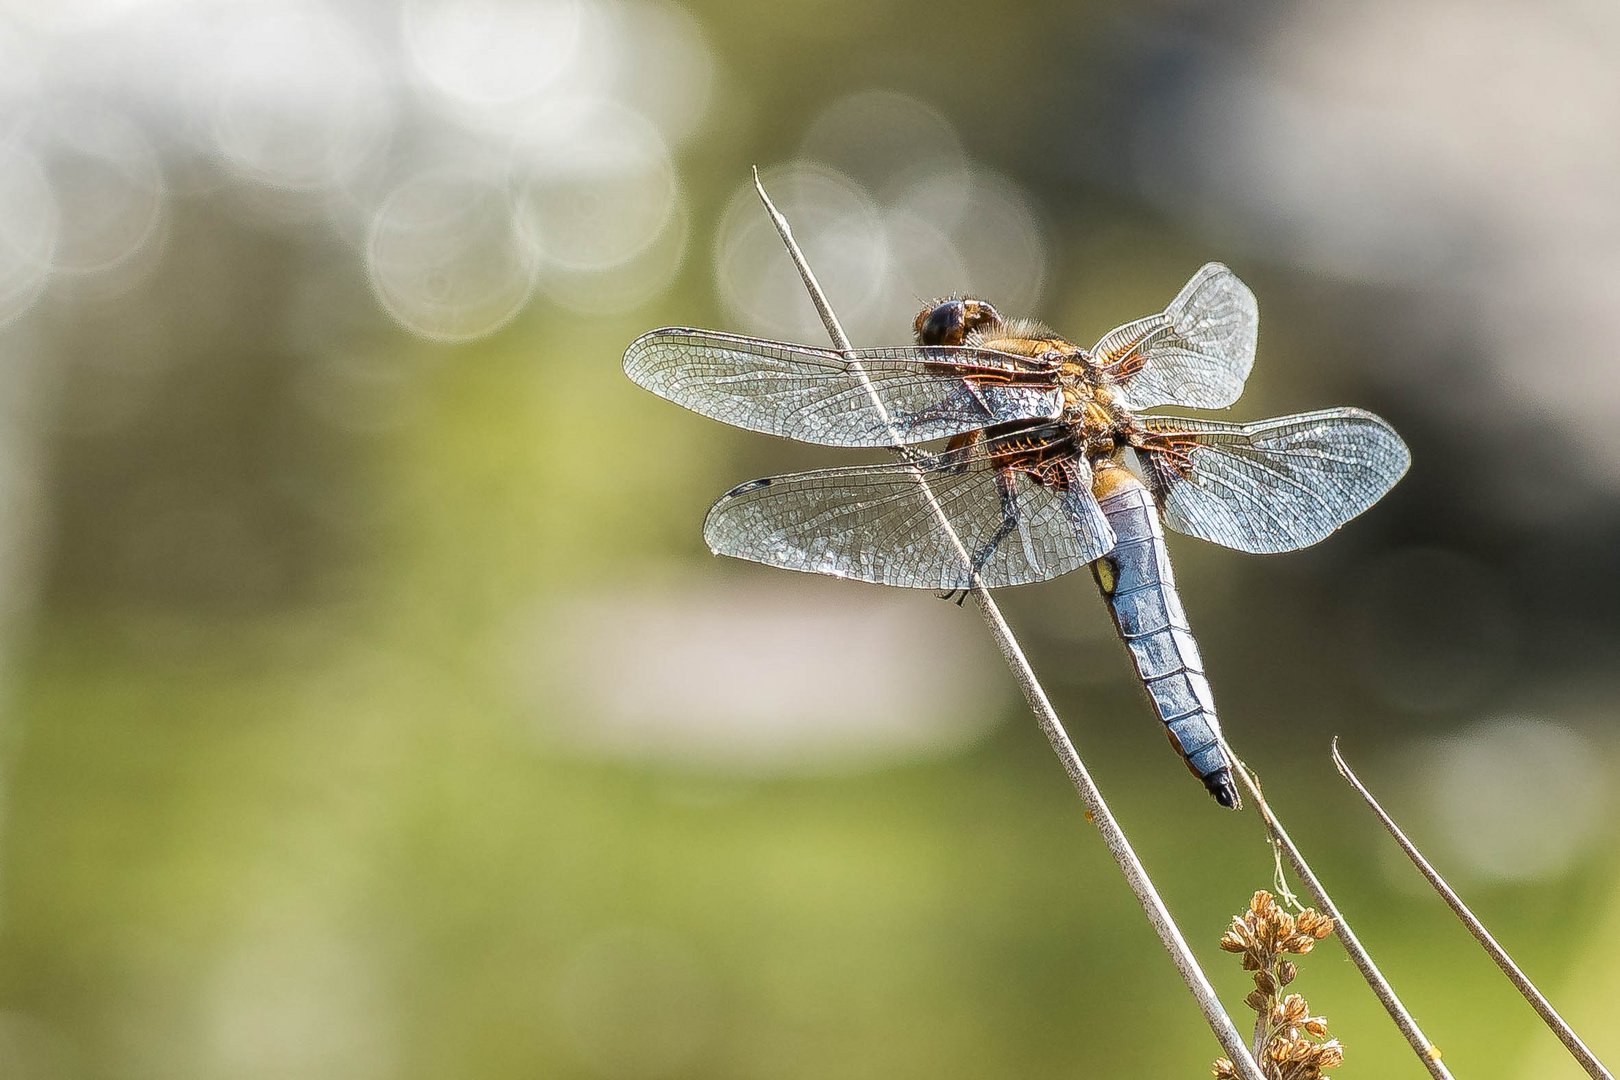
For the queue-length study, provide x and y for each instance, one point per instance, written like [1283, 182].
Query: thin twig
[1426, 1051]
[1515, 974]
[1096, 809]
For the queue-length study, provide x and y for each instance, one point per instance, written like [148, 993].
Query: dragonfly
[1024, 457]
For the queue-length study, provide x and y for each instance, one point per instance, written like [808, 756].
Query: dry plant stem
[1516, 976]
[1113, 836]
[1426, 1051]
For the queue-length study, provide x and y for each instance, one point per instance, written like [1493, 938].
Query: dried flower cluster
[1289, 1043]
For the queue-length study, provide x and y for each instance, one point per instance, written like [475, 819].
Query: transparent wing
[1274, 485]
[874, 523]
[815, 395]
[1196, 353]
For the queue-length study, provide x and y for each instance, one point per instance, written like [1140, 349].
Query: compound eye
[944, 324]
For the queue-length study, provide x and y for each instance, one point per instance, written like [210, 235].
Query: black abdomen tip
[1220, 785]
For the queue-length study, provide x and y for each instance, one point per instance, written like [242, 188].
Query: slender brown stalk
[1515, 974]
[1427, 1052]
[1096, 809]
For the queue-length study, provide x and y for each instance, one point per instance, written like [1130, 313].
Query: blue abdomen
[1136, 580]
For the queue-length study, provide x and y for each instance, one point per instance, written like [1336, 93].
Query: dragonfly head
[950, 321]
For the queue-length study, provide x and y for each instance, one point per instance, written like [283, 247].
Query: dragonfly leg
[1009, 523]
[1009, 520]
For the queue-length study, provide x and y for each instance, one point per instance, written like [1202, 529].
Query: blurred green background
[373, 709]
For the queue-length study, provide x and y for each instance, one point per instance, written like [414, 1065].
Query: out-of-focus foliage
[372, 709]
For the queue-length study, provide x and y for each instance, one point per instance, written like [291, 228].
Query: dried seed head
[1298, 943]
[1285, 1049]
[1224, 1069]
[1290, 1010]
[1316, 925]
[1296, 1045]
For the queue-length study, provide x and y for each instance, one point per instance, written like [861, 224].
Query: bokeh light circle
[668, 72]
[28, 232]
[20, 84]
[753, 683]
[629, 285]
[841, 231]
[110, 192]
[993, 223]
[603, 198]
[492, 52]
[1518, 799]
[302, 101]
[446, 258]
[925, 260]
[882, 138]
[924, 264]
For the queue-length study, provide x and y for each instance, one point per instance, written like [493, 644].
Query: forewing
[1196, 353]
[875, 523]
[1274, 485]
[818, 396]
